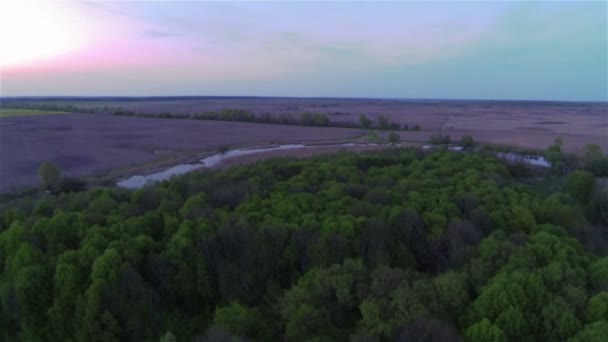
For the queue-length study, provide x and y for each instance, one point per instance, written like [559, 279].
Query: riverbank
[250, 155]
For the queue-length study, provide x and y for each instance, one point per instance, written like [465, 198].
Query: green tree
[556, 157]
[484, 330]
[49, 175]
[593, 332]
[242, 321]
[382, 122]
[597, 307]
[598, 274]
[168, 337]
[594, 161]
[393, 137]
[559, 321]
[364, 121]
[580, 185]
[373, 320]
[306, 307]
[440, 139]
[453, 292]
[598, 206]
[34, 297]
[467, 141]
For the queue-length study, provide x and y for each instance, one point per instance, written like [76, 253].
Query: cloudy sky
[470, 50]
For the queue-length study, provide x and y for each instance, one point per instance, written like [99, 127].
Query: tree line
[238, 115]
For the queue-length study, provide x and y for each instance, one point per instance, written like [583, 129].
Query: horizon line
[178, 97]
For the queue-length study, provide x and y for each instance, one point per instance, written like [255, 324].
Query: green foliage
[484, 330]
[593, 332]
[579, 185]
[382, 122]
[241, 321]
[49, 175]
[594, 161]
[364, 121]
[390, 245]
[467, 141]
[168, 337]
[556, 157]
[393, 137]
[598, 206]
[440, 139]
[314, 119]
[597, 307]
[598, 274]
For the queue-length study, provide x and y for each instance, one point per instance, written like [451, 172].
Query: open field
[531, 124]
[112, 146]
[8, 112]
[88, 144]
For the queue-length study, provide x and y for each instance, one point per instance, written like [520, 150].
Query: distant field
[90, 144]
[528, 124]
[96, 144]
[6, 112]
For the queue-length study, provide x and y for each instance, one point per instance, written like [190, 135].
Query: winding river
[138, 181]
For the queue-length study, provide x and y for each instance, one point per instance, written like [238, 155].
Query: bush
[439, 139]
[382, 122]
[69, 184]
[580, 185]
[395, 126]
[364, 121]
[49, 174]
[594, 161]
[467, 141]
[393, 137]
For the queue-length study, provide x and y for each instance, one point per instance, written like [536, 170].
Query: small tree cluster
[440, 139]
[467, 141]
[53, 181]
[393, 138]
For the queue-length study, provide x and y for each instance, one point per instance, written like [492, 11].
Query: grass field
[6, 112]
[526, 124]
[96, 144]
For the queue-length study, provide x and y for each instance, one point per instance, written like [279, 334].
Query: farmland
[101, 144]
[89, 144]
[530, 124]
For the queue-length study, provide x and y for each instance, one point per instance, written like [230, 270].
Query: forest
[402, 244]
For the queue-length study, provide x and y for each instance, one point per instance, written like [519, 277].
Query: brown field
[97, 144]
[89, 144]
[522, 123]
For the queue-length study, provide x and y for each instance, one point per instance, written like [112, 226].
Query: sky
[450, 50]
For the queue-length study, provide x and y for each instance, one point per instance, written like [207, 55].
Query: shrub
[467, 141]
[382, 122]
[439, 139]
[49, 174]
[364, 121]
[393, 137]
[579, 185]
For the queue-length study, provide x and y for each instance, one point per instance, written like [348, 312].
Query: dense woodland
[397, 245]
